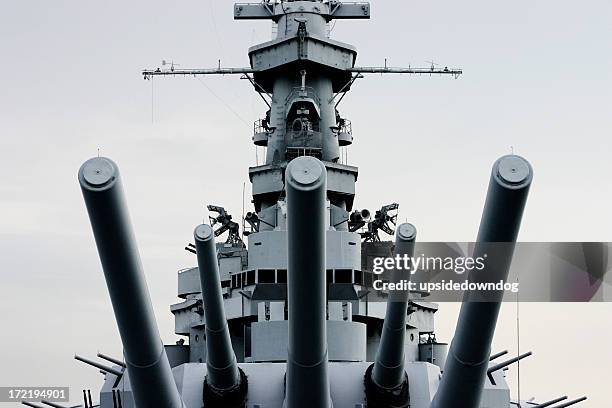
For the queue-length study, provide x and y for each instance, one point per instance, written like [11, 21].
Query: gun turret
[468, 359]
[145, 357]
[225, 384]
[386, 380]
[307, 378]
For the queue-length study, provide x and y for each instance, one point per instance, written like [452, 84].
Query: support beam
[390, 70]
[148, 73]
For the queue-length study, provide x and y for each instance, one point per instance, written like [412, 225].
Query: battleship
[280, 311]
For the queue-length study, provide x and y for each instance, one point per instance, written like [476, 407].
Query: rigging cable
[518, 343]
[286, 18]
[223, 102]
[152, 116]
[332, 28]
[214, 24]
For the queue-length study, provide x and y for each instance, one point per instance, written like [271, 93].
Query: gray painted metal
[388, 372]
[31, 404]
[111, 359]
[549, 403]
[506, 363]
[307, 364]
[572, 402]
[145, 357]
[147, 73]
[278, 10]
[346, 341]
[102, 367]
[434, 353]
[392, 70]
[222, 370]
[497, 355]
[468, 359]
[304, 75]
[53, 404]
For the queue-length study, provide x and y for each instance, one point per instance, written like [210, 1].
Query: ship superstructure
[289, 318]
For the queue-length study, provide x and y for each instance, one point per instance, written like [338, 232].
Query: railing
[259, 126]
[345, 127]
[293, 152]
[249, 277]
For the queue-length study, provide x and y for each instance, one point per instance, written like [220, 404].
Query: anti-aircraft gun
[224, 220]
[384, 220]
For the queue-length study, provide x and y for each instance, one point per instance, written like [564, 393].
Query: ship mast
[302, 75]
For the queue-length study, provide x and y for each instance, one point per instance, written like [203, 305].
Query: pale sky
[537, 77]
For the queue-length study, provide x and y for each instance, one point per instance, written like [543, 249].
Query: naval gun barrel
[225, 385]
[111, 359]
[307, 380]
[551, 402]
[498, 355]
[99, 366]
[506, 363]
[386, 380]
[570, 403]
[53, 404]
[31, 404]
[468, 358]
[145, 357]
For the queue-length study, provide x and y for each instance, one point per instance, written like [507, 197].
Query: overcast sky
[537, 78]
